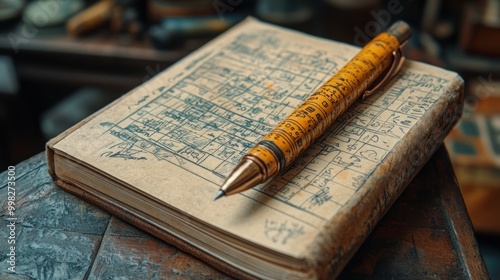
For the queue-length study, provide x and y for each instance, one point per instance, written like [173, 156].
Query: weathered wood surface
[425, 235]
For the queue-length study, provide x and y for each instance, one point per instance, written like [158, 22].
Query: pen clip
[397, 63]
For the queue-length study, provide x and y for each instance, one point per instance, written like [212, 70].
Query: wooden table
[427, 234]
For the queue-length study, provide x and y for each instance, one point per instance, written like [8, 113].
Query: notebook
[156, 156]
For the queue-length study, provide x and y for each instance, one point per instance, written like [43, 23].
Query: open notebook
[157, 156]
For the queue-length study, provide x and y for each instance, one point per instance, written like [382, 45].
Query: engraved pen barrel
[303, 126]
[310, 120]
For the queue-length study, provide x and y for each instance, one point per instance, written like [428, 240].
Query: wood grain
[426, 234]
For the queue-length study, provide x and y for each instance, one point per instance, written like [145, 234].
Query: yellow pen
[381, 57]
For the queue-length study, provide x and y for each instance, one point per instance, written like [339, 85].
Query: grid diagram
[208, 119]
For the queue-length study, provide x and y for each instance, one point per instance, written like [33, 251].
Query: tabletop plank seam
[454, 205]
[94, 257]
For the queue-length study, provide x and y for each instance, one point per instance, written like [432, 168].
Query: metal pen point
[219, 194]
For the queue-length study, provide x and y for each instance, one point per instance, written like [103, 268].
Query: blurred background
[61, 60]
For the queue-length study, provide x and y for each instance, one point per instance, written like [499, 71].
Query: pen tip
[219, 194]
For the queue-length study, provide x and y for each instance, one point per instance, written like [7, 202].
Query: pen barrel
[310, 120]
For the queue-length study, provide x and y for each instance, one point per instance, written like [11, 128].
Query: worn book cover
[156, 156]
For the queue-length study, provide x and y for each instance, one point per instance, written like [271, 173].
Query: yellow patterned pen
[378, 61]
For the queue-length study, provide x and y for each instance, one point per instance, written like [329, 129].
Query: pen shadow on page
[270, 190]
[259, 200]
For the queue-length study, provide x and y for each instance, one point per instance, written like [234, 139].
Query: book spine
[343, 235]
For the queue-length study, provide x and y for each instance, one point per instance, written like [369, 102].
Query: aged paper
[175, 138]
